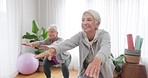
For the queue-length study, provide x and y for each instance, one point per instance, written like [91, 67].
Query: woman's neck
[91, 35]
[53, 40]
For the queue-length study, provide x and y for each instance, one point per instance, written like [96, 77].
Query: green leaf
[35, 28]
[117, 62]
[44, 33]
[120, 57]
[29, 36]
[33, 40]
[118, 69]
[111, 55]
[37, 52]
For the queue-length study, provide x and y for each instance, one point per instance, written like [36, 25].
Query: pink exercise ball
[27, 64]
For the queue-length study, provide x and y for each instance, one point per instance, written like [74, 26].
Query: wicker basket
[132, 56]
[132, 59]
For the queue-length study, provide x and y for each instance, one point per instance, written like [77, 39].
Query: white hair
[95, 15]
[54, 26]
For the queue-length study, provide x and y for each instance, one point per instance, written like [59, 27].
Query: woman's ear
[97, 24]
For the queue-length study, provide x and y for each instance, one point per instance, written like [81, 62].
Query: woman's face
[88, 23]
[52, 33]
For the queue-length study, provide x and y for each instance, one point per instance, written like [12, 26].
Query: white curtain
[10, 37]
[119, 18]
[15, 20]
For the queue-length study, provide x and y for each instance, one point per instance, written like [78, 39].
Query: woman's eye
[89, 20]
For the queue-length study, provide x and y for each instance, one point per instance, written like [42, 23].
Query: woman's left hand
[93, 69]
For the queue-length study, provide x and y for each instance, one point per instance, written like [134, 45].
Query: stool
[133, 71]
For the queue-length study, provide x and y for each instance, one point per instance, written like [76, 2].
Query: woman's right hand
[93, 68]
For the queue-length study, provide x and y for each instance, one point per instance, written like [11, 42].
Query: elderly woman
[62, 58]
[94, 48]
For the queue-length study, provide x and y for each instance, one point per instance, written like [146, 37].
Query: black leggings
[48, 64]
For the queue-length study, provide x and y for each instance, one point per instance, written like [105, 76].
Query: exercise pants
[49, 63]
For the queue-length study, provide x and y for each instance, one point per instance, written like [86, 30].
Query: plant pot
[132, 59]
[132, 56]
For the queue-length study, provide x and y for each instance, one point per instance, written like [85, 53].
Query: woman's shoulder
[79, 34]
[102, 31]
[60, 38]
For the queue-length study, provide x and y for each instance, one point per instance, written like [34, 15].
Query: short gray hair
[54, 26]
[95, 15]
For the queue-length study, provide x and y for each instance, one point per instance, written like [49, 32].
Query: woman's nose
[85, 22]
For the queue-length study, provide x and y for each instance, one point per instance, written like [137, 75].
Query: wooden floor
[55, 73]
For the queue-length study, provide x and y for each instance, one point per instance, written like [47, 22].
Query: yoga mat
[137, 43]
[130, 42]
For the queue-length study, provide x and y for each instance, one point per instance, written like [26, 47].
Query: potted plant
[36, 35]
[118, 64]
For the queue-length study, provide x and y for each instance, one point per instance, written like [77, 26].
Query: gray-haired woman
[94, 48]
[62, 58]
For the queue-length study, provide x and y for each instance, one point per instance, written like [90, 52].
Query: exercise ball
[27, 64]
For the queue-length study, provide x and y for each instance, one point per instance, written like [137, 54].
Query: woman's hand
[28, 44]
[93, 69]
[49, 53]
[43, 47]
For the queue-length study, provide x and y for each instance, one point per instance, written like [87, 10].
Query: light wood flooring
[55, 73]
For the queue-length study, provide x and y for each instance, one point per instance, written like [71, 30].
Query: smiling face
[52, 34]
[89, 24]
